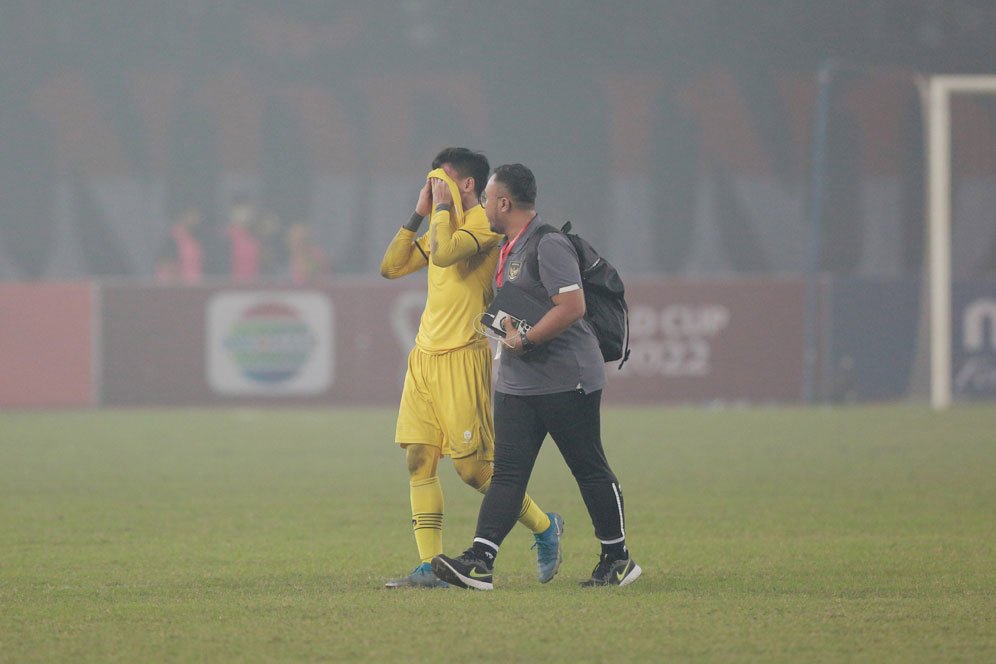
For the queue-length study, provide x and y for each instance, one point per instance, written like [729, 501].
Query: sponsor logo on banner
[269, 343]
[674, 340]
[976, 372]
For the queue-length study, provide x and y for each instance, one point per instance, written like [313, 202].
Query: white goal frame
[936, 93]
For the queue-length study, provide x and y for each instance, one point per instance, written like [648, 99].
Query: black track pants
[573, 420]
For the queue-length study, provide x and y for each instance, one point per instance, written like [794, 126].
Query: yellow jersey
[461, 259]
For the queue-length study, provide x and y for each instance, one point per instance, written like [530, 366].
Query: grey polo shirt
[569, 361]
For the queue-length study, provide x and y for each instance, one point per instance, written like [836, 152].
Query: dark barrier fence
[345, 343]
[872, 330]
[973, 357]
[712, 341]
[342, 344]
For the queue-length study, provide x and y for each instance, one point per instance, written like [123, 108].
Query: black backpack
[604, 294]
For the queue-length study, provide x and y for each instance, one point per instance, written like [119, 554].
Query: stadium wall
[47, 342]
[871, 339]
[345, 343]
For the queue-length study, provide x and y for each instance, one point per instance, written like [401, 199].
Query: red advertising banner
[347, 343]
[344, 343]
[46, 345]
[731, 341]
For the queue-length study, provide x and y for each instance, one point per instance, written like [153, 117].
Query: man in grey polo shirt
[550, 380]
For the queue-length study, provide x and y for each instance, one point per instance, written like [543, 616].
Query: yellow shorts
[446, 403]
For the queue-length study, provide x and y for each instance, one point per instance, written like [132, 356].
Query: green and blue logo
[270, 343]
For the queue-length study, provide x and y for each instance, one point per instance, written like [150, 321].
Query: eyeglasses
[483, 198]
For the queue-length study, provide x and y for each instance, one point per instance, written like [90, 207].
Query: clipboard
[515, 303]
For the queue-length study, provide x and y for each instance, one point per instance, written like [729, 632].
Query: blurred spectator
[308, 261]
[182, 256]
[269, 231]
[245, 248]
[167, 263]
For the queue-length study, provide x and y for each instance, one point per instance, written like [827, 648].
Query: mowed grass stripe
[765, 535]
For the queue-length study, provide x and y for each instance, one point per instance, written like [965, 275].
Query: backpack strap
[625, 350]
[533, 248]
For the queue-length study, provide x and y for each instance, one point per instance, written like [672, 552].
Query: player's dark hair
[519, 181]
[467, 163]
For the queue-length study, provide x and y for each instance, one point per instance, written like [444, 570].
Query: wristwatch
[527, 345]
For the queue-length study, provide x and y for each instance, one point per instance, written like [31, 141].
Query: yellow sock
[531, 516]
[427, 516]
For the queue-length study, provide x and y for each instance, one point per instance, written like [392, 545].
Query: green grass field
[864, 534]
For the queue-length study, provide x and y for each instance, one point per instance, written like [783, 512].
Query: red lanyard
[505, 251]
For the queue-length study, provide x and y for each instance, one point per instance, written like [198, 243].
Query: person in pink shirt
[244, 244]
[189, 251]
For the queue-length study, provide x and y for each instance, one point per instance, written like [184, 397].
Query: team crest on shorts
[467, 435]
[514, 268]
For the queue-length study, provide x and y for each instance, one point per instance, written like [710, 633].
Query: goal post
[936, 93]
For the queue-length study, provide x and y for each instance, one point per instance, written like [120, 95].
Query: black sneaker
[610, 572]
[467, 571]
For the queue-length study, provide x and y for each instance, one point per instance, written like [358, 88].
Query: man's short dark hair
[519, 181]
[467, 163]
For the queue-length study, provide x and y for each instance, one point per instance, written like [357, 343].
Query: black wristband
[527, 345]
[443, 206]
[414, 222]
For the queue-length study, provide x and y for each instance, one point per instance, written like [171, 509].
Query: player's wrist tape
[414, 222]
[441, 207]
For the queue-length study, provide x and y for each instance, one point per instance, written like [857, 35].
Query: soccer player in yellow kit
[446, 400]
